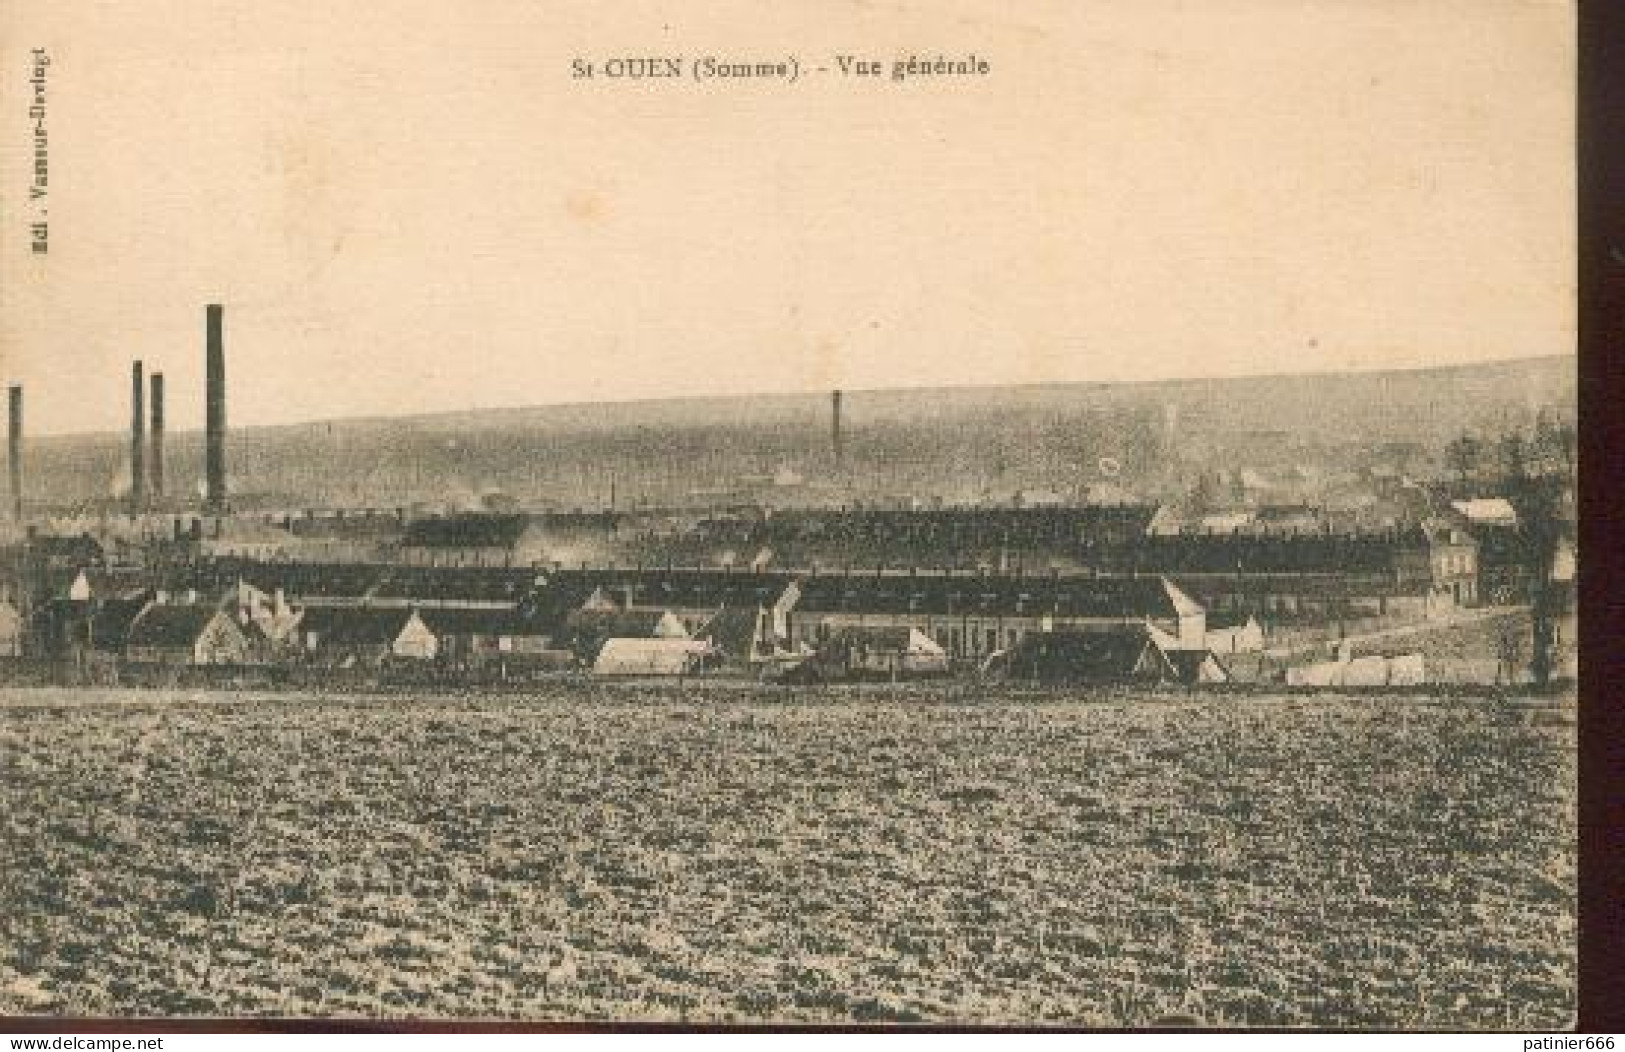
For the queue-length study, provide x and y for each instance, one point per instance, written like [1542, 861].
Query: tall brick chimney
[138, 440]
[835, 427]
[14, 449]
[215, 412]
[156, 435]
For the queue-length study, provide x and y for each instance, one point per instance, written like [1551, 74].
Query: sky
[410, 207]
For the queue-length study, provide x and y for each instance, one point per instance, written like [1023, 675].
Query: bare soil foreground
[735, 855]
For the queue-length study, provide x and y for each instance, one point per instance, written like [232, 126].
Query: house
[67, 584]
[742, 634]
[185, 635]
[111, 620]
[1124, 655]
[1453, 555]
[366, 635]
[653, 657]
[890, 651]
[1233, 633]
[476, 634]
[693, 596]
[274, 620]
[60, 628]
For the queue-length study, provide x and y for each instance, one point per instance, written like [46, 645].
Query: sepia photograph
[790, 514]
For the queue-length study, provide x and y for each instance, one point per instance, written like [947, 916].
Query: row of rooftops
[939, 534]
[553, 596]
[893, 589]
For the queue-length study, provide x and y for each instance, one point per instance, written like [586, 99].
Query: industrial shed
[653, 657]
[588, 630]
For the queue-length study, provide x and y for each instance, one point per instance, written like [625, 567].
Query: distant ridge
[955, 442]
[1544, 369]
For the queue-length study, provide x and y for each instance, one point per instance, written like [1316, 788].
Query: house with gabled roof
[352, 635]
[477, 634]
[1128, 654]
[743, 635]
[185, 635]
[694, 596]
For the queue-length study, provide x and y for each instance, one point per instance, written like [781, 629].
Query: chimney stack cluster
[147, 432]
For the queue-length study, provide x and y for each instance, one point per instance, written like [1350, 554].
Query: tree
[1537, 500]
[1462, 456]
[1514, 453]
[1567, 445]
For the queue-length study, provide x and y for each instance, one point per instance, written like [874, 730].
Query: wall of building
[967, 636]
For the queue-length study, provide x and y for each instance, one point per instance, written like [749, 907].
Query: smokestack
[215, 410]
[835, 427]
[156, 435]
[138, 440]
[14, 450]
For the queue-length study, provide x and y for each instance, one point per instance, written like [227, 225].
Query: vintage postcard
[801, 512]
